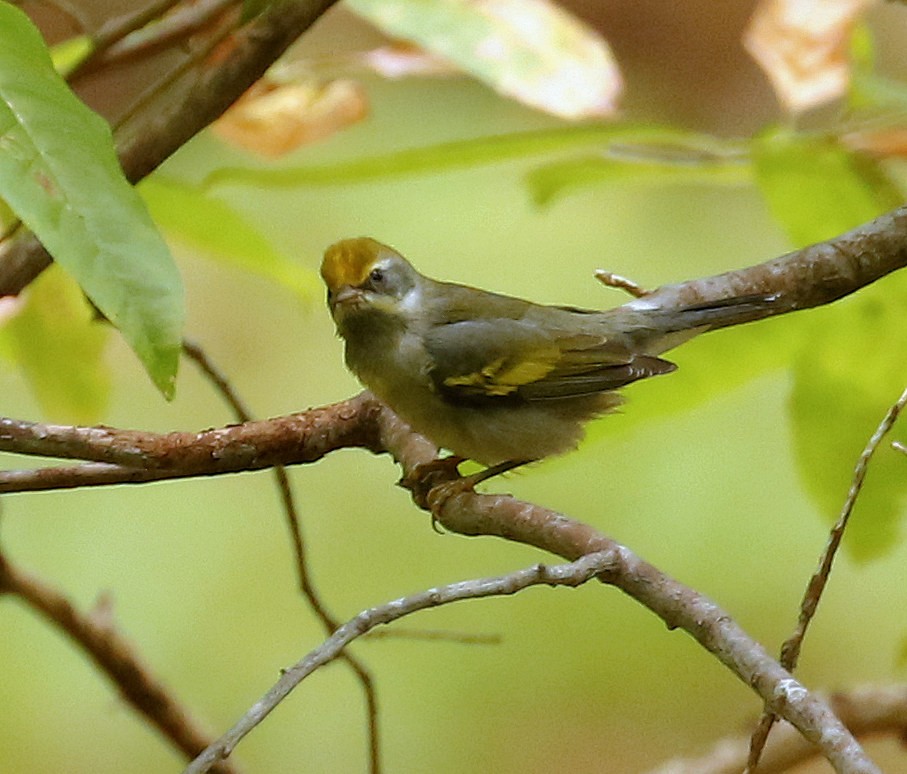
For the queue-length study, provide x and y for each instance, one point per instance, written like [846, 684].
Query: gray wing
[502, 359]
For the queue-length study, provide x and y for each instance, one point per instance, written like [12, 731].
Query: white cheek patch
[412, 301]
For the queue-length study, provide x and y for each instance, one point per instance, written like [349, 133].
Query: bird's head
[363, 275]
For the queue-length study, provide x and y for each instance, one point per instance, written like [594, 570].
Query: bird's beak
[344, 296]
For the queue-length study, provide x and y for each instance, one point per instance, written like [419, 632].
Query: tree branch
[573, 574]
[469, 513]
[113, 656]
[804, 278]
[154, 133]
[874, 710]
[790, 650]
[306, 580]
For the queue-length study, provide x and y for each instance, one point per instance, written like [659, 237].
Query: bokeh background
[200, 573]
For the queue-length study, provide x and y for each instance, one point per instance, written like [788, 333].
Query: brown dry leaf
[272, 119]
[884, 143]
[802, 46]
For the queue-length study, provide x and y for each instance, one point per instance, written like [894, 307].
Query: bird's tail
[655, 328]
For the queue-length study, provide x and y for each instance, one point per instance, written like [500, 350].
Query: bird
[493, 378]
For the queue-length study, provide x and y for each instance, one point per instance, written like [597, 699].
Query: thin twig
[573, 574]
[116, 658]
[363, 421]
[177, 25]
[790, 650]
[154, 134]
[870, 711]
[306, 583]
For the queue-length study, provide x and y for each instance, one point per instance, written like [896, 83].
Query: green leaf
[850, 368]
[708, 366]
[59, 345]
[553, 181]
[462, 154]
[70, 53]
[214, 227]
[60, 175]
[845, 379]
[816, 188]
[870, 92]
[534, 51]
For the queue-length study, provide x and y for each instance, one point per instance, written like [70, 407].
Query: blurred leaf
[8, 220]
[869, 91]
[252, 8]
[59, 173]
[802, 46]
[70, 53]
[273, 119]
[900, 656]
[59, 345]
[850, 368]
[845, 380]
[816, 188]
[400, 59]
[465, 153]
[213, 226]
[553, 181]
[708, 366]
[531, 50]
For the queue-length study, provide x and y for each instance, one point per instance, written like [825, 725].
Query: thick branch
[813, 276]
[134, 455]
[155, 133]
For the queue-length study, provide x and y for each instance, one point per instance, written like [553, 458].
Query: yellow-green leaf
[60, 175]
[59, 345]
[851, 370]
[211, 225]
[816, 188]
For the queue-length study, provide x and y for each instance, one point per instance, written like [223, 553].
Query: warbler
[493, 378]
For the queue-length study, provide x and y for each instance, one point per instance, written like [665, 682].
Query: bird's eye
[377, 276]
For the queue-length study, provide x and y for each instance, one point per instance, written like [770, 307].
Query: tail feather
[655, 329]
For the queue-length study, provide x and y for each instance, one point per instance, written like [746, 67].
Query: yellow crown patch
[349, 261]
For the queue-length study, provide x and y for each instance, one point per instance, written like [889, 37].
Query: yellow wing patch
[500, 378]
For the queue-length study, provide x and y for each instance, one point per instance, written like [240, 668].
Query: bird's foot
[429, 474]
[441, 492]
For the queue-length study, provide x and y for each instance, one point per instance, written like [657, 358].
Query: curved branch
[114, 657]
[809, 277]
[373, 425]
[573, 574]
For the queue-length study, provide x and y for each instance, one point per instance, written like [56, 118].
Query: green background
[200, 572]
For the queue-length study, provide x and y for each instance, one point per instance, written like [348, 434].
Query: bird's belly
[493, 434]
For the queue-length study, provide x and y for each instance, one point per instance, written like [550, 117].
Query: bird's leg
[439, 493]
[492, 471]
[428, 474]
[433, 482]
